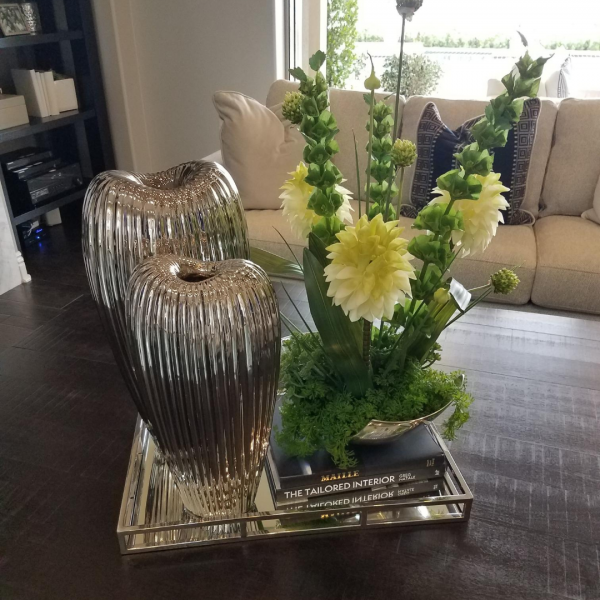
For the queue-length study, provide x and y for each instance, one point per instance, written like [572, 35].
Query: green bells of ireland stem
[318, 127]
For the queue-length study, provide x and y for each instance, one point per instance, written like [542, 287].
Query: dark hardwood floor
[531, 453]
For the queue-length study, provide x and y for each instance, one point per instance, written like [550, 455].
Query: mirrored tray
[152, 516]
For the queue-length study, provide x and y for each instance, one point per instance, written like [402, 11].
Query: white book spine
[42, 90]
[48, 79]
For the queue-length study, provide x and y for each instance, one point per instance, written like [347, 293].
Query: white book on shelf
[42, 88]
[25, 84]
[48, 80]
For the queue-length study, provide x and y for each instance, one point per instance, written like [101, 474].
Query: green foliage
[273, 264]
[342, 339]
[319, 127]
[449, 41]
[316, 414]
[580, 45]
[365, 36]
[381, 167]
[342, 16]
[420, 75]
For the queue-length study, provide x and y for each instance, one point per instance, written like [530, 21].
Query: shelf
[37, 125]
[19, 41]
[44, 208]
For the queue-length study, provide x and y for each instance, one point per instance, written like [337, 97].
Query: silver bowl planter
[383, 432]
[204, 338]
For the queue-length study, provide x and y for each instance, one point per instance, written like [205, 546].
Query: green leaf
[298, 73]
[316, 60]
[341, 338]
[273, 264]
[317, 246]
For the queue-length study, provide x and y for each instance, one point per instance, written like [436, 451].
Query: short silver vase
[204, 338]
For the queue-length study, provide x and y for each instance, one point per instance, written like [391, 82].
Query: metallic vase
[192, 210]
[31, 15]
[205, 341]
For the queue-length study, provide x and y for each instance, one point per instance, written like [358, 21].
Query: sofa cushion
[351, 113]
[456, 112]
[437, 146]
[512, 246]
[258, 149]
[574, 166]
[593, 214]
[568, 271]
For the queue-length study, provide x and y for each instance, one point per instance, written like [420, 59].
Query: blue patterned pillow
[437, 144]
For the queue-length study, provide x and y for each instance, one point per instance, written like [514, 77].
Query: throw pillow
[558, 83]
[437, 144]
[259, 150]
[593, 214]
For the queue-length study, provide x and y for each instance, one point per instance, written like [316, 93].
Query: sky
[538, 20]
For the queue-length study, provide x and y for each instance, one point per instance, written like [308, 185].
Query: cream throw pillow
[593, 214]
[259, 150]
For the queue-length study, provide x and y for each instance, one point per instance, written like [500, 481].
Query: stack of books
[44, 96]
[412, 465]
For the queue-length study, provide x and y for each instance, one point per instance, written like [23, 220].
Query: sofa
[557, 259]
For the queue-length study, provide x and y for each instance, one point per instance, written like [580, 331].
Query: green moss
[318, 413]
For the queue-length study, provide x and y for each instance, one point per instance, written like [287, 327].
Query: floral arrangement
[378, 315]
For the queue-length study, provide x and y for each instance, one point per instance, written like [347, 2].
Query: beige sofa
[558, 259]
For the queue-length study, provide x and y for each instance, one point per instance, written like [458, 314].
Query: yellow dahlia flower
[481, 217]
[370, 270]
[296, 193]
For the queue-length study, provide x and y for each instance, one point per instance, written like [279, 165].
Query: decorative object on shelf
[192, 210]
[378, 313]
[13, 111]
[31, 14]
[12, 20]
[205, 342]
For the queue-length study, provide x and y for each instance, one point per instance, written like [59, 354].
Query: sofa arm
[215, 157]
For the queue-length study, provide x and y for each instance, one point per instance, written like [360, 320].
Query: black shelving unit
[68, 45]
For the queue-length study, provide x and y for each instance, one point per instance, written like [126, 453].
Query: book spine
[340, 500]
[291, 483]
[338, 487]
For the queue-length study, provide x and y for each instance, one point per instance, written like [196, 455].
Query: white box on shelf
[13, 111]
[66, 95]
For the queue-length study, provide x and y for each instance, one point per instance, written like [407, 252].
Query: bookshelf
[68, 46]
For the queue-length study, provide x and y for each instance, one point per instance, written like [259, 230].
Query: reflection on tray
[153, 516]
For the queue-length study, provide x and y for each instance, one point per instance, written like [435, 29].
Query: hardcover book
[412, 457]
[415, 488]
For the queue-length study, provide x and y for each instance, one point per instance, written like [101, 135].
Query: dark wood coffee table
[531, 454]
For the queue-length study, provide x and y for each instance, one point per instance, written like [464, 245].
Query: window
[456, 49]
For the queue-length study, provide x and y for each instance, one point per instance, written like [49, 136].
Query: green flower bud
[372, 82]
[404, 153]
[441, 296]
[504, 281]
[292, 107]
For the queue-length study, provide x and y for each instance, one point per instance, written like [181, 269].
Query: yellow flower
[296, 193]
[370, 270]
[481, 217]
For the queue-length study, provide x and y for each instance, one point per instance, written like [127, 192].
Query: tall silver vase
[192, 210]
[205, 342]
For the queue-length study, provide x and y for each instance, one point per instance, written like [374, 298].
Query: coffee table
[530, 454]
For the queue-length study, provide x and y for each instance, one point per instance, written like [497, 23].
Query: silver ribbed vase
[192, 210]
[204, 338]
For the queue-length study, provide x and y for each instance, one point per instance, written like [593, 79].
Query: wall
[161, 63]
[10, 275]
